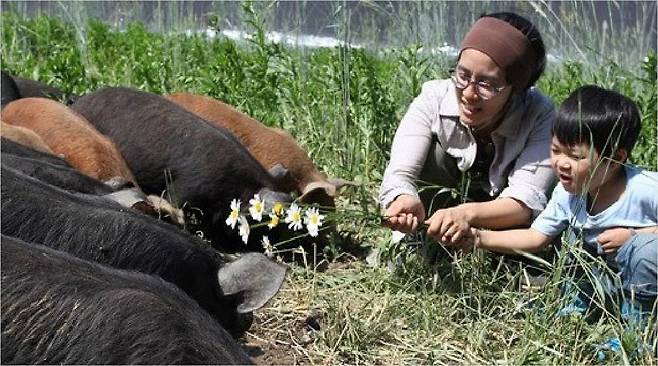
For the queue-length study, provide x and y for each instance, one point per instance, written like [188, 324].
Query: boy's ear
[621, 155]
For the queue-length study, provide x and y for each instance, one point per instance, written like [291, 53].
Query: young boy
[609, 206]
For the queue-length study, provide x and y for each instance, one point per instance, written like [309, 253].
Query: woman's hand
[404, 213]
[612, 239]
[449, 225]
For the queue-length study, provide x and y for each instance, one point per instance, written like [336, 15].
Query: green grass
[343, 106]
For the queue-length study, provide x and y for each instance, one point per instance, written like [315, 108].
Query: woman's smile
[470, 110]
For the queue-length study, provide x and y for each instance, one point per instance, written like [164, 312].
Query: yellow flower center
[296, 216]
[278, 209]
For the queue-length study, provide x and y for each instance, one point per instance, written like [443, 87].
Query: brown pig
[270, 146]
[70, 136]
[24, 137]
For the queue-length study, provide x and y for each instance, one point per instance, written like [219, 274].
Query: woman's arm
[411, 144]
[498, 214]
[450, 224]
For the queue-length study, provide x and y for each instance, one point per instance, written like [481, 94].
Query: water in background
[594, 32]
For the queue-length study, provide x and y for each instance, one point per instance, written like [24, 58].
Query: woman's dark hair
[602, 118]
[536, 42]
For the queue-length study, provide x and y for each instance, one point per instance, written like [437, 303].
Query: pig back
[207, 166]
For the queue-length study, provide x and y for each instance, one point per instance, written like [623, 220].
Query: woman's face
[473, 110]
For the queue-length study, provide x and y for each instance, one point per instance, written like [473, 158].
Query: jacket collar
[512, 120]
[449, 105]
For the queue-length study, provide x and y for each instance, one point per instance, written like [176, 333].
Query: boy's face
[579, 167]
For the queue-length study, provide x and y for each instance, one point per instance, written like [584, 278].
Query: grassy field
[343, 106]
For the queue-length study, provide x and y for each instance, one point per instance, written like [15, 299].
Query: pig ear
[253, 278]
[330, 187]
[316, 187]
[279, 172]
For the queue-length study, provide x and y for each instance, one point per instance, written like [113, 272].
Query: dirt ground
[284, 332]
[270, 353]
[276, 341]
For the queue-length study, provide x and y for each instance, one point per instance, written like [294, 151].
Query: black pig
[95, 229]
[70, 179]
[18, 87]
[8, 89]
[208, 166]
[8, 146]
[58, 309]
[60, 176]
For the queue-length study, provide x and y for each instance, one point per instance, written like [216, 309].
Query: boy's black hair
[602, 118]
[530, 31]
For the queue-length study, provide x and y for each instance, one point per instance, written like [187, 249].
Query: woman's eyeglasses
[483, 89]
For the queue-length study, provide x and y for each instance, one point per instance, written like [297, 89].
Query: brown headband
[507, 46]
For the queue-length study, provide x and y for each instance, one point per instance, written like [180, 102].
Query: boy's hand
[404, 213]
[448, 225]
[612, 239]
[467, 242]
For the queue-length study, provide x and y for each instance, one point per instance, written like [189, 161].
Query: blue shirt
[636, 208]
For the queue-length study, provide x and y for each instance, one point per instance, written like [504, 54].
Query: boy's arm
[510, 241]
[648, 230]
[548, 225]
[450, 225]
[612, 239]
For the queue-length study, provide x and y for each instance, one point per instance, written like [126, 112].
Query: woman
[486, 121]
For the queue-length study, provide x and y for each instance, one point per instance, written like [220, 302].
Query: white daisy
[397, 236]
[235, 212]
[244, 229]
[269, 249]
[313, 221]
[257, 207]
[294, 218]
